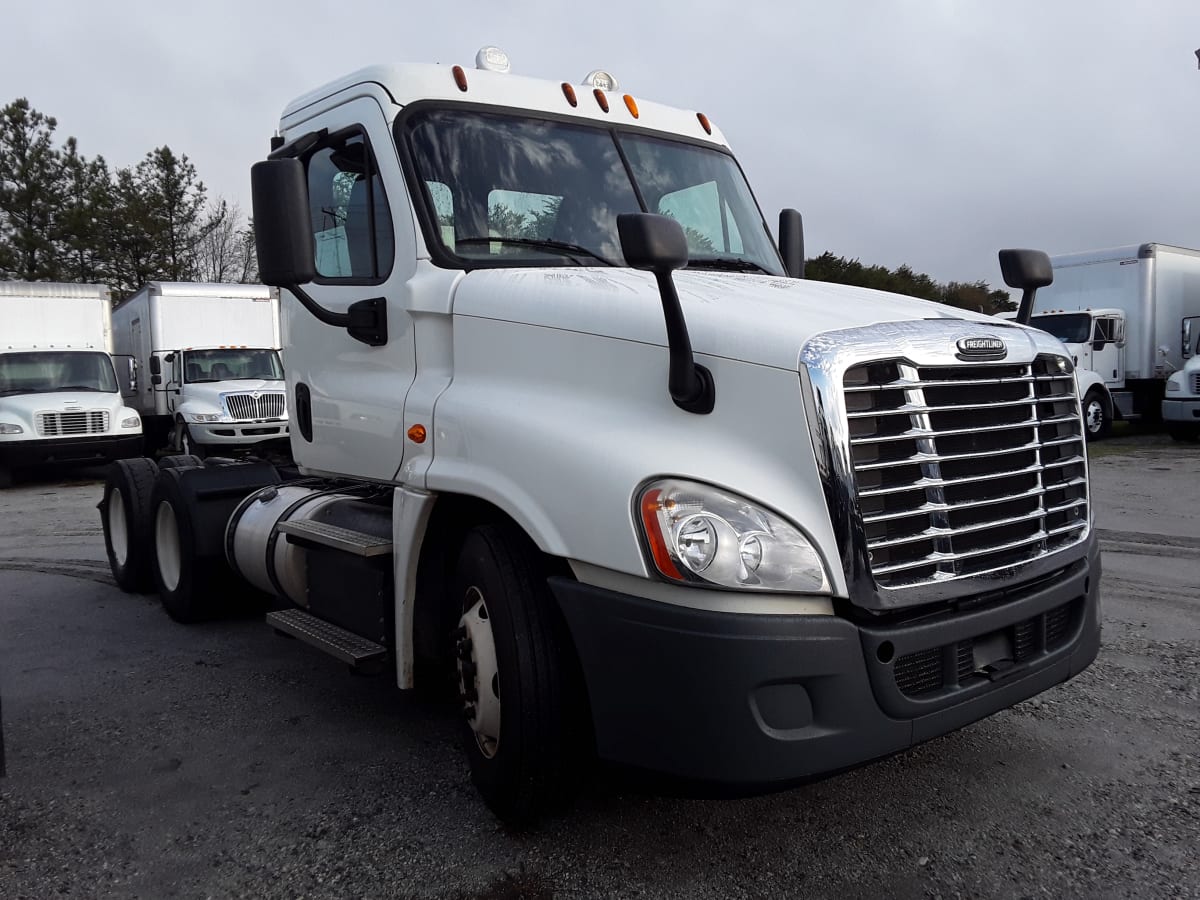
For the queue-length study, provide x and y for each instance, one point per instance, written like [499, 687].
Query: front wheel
[188, 445]
[521, 696]
[1097, 420]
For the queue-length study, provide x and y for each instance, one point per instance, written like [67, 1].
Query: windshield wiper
[726, 263]
[539, 243]
[80, 387]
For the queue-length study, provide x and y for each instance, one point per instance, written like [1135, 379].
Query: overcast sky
[926, 132]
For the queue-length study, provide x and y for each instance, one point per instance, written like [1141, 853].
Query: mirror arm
[1025, 310]
[365, 320]
[690, 384]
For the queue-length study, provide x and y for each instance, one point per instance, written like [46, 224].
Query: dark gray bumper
[92, 448]
[756, 700]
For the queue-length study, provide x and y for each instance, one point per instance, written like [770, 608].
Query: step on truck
[211, 377]
[574, 435]
[60, 400]
[1131, 315]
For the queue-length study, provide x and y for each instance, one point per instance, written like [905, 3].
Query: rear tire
[191, 590]
[125, 514]
[180, 461]
[517, 678]
[1097, 418]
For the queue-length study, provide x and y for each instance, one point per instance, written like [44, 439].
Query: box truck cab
[213, 377]
[59, 396]
[576, 438]
[1181, 405]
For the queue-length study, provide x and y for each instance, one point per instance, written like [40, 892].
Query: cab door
[1106, 349]
[348, 396]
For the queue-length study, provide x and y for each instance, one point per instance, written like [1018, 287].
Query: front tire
[521, 697]
[188, 445]
[1097, 420]
[125, 514]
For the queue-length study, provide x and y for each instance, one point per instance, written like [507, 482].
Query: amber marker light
[601, 99]
[417, 434]
[704, 123]
[631, 105]
[569, 93]
[658, 544]
[460, 77]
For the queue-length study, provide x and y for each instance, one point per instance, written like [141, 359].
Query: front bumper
[237, 434]
[1187, 411]
[89, 448]
[756, 700]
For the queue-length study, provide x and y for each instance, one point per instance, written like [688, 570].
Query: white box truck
[59, 397]
[210, 353]
[575, 436]
[1125, 313]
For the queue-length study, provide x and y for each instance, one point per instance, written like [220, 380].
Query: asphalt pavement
[150, 759]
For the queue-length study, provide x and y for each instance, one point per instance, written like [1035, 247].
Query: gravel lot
[150, 759]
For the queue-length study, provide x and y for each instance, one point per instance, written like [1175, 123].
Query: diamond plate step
[326, 535]
[333, 639]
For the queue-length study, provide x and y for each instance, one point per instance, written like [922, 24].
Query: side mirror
[791, 242]
[282, 231]
[156, 379]
[1028, 270]
[156, 364]
[132, 369]
[652, 243]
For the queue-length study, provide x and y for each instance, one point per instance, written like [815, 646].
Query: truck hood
[752, 318]
[25, 405]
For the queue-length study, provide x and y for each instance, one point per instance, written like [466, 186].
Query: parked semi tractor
[214, 379]
[59, 395]
[1126, 314]
[573, 435]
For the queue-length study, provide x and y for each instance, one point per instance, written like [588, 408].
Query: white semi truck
[573, 436]
[1131, 315]
[59, 396]
[209, 353]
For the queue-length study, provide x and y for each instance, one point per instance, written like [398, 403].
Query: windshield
[503, 189]
[231, 365]
[47, 370]
[1070, 328]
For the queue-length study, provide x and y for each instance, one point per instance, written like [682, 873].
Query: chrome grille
[63, 424]
[1196, 382]
[264, 406]
[967, 469]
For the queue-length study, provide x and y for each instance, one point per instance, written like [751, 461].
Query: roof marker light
[569, 93]
[704, 123]
[460, 77]
[493, 59]
[601, 99]
[601, 80]
[631, 105]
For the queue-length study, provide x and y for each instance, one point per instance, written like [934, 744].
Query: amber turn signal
[417, 434]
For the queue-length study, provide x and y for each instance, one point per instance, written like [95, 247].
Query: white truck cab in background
[576, 436]
[1181, 405]
[211, 377]
[1125, 314]
[59, 396]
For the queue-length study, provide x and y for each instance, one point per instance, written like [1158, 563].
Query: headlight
[1175, 384]
[5, 428]
[131, 422]
[204, 417]
[698, 534]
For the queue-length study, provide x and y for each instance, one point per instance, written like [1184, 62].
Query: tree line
[68, 217]
[977, 296]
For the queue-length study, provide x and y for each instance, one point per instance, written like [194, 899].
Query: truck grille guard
[947, 477]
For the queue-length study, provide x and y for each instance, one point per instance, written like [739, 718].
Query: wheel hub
[478, 674]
